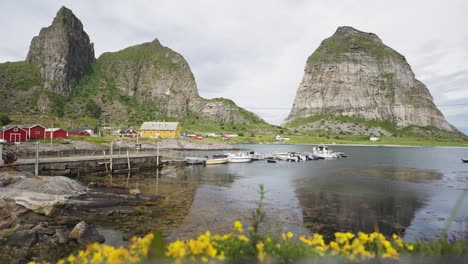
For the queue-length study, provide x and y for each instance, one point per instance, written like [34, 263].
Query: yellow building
[160, 129]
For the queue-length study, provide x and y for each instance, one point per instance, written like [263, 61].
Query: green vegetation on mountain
[333, 48]
[19, 75]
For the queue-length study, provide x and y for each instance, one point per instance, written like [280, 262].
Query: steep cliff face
[62, 52]
[354, 74]
[156, 75]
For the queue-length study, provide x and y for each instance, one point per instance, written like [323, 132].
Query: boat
[195, 160]
[286, 156]
[257, 156]
[323, 152]
[465, 160]
[217, 159]
[271, 161]
[239, 157]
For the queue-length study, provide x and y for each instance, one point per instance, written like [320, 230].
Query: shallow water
[403, 190]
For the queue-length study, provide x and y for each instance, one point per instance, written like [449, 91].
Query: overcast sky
[254, 52]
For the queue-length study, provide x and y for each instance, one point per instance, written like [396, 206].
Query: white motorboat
[286, 156]
[239, 157]
[217, 159]
[323, 152]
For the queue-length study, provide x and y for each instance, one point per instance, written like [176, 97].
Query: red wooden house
[80, 132]
[55, 133]
[13, 133]
[35, 131]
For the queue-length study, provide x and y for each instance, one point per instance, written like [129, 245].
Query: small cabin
[34, 131]
[160, 129]
[80, 132]
[56, 133]
[13, 134]
[129, 132]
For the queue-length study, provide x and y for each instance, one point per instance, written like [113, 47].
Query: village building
[55, 133]
[160, 129]
[80, 132]
[129, 132]
[34, 131]
[13, 133]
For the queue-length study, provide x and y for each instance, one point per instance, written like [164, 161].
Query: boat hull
[216, 161]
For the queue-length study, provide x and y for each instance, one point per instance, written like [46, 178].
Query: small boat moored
[323, 152]
[239, 157]
[464, 160]
[217, 159]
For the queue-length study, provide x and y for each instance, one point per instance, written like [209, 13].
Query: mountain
[62, 53]
[144, 82]
[354, 79]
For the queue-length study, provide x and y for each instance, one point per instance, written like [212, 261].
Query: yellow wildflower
[238, 226]
[261, 253]
[410, 247]
[287, 236]
[243, 238]
[221, 256]
[71, 259]
[334, 246]
[363, 237]
[341, 238]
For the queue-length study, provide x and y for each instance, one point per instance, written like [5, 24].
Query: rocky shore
[45, 218]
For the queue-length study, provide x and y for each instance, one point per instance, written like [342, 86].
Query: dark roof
[80, 130]
[126, 130]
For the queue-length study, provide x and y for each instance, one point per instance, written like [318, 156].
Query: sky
[254, 52]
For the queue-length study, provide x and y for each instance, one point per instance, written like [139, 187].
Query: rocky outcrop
[156, 75]
[40, 193]
[62, 52]
[86, 234]
[354, 74]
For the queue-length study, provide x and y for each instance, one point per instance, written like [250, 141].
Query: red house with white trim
[13, 133]
[55, 133]
[35, 131]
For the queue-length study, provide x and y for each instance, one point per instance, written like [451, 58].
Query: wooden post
[105, 160]
[128, 161]
[157, 155]
[111, 157]
[36, 164]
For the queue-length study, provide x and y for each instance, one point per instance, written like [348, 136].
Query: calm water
[409, 191]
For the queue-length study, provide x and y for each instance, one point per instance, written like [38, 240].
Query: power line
[350, 108]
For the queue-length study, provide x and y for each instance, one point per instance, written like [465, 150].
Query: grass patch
[332, 48]
[20, 75]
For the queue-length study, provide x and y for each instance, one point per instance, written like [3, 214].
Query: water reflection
[392, 190]
[345, 202]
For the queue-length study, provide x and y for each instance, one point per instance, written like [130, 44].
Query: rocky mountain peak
[346, 31]
[62, 52]
[354, 74]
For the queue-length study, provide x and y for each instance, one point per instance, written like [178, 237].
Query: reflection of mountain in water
[355, 203]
